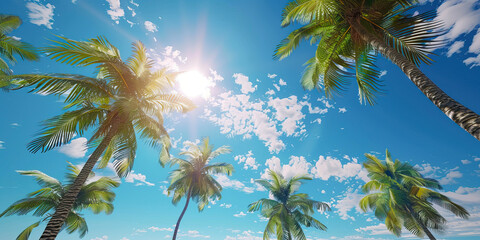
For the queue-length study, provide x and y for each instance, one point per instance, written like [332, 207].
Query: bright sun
[193, 84]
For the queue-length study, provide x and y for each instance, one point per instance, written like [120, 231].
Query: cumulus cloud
[41, 14]
[240, 214]
[248, 161]
[245, 235]
[151, 27]
[296, 166]
[342, 110]
[451, 176]
[115, 10]
[242, 80]
[282, 83]
[289, 112]
[2, 145]
[465, 161]
[138, 178]
[327, 167]
[246, 116]
[77, 148]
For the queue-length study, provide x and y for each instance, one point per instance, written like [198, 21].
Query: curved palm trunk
[56, 222]
[181, 215]
[426, 231]
[461, 115]
[424, 228]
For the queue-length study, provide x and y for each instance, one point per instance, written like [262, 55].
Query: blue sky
[257, 107]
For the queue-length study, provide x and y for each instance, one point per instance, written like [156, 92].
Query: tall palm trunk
[461, 115]
[183, 213]
[424, 228]
[426, 231]
[56, 222]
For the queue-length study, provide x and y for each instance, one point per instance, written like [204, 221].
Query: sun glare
[193, 84]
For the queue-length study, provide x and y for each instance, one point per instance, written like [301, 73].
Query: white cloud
[139, 178]
[41, 14]
[465, 161]
[450, 177]
[342, 110]
[232, 183]
[77, 148]
[156, 229]
[327, 167]
[245, 235]
[100, 238]
[168, 58]
[455, 48]
[248, 160]
[383, 73]
[445, 176]
[282, 83]
[132, 10]
[348, 202]
[225, 205]
[193, 234]
[151, 27]
[289, 112]
[15, 125]
[460, 17]
[296, 166]
[240, 116]
[270, 92]
[240, 214]
[271, 75]
[2, 145]
[115, 10]
[242, 80]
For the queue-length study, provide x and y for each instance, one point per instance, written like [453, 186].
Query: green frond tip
[399, 195]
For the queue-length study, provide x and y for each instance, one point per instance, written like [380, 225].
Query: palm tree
[95, 194]
[123, 99]
[400, 195]
[288, 210]
[10, 46]
[351, 34]
[194, 176]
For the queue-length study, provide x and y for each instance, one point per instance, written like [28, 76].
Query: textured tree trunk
[461, 115]
[181, 215]
[56, 222]
[426, 231]
[424, 228]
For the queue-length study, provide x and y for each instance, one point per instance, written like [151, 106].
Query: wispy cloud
[41, 14]
[138, 178]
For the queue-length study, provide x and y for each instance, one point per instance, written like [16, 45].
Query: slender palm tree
[194, 177]
[288, 210]
[401, 196]
[352, 33]
[11, 46]
[123, 99]
[95, 195]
